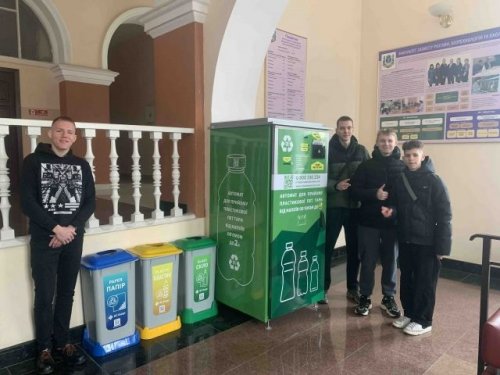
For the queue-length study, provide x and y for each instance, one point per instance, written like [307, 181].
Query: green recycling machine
[267, 214]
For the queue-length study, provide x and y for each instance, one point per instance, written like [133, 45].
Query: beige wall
[470, 170]
[38, 88]
[87, 25]
[333, 57]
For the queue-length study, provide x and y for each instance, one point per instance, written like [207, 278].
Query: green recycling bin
[197, 280]
[108, 291]
[156, 289]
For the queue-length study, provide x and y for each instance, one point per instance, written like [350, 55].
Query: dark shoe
[323, 301]
[364, 306]
[70, 355]
[353, 295]
[390, 307]
[45, 363]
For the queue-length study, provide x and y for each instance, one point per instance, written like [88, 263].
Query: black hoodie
[427, 220]
[56, 190]
[368, 178]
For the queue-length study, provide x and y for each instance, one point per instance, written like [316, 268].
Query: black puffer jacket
[427, 220]
[368, 178]
[342, 163]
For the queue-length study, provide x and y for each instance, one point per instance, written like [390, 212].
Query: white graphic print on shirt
[61, 187]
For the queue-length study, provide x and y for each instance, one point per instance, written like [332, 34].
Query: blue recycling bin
[108, 291]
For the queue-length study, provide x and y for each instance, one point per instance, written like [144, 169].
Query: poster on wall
[445, 91]
[286, 76]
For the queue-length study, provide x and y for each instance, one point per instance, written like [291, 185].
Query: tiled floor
[330, 340]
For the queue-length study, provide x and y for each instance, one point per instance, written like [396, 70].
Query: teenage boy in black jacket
[420, 202]
[58, 196]
[376, 235]
[345, 154]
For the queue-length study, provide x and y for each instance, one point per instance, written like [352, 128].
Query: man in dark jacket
[58, 196]
[420, 202]
[376, 235]
[345, 154]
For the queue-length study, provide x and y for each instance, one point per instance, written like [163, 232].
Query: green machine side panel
[240, 176]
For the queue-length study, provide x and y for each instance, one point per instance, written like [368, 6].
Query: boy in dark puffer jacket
[420, 202]
[377, 236]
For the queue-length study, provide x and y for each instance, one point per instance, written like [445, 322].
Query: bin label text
[115, 297]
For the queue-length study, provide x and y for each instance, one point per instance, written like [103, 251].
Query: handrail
[485, 287]
[98, 126]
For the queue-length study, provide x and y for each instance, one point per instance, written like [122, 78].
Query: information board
[443, 91]
[286, 76]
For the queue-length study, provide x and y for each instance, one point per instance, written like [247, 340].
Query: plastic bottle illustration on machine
[236, 223]
[288, 260]
[313, 285]
[303, 277]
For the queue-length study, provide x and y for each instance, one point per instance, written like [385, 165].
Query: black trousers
[337, 218]
[54, 271]
[419, 274]
[375, 244]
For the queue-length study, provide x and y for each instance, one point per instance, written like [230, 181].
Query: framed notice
[286, 76]
[447, 90]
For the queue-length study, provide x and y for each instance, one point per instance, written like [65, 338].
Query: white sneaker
[401, 322]
[416, 329]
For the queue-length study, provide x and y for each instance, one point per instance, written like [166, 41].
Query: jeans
[54, 271]
[375, 243]
[337, 218]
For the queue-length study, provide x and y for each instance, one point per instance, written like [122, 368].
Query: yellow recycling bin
[156, 289]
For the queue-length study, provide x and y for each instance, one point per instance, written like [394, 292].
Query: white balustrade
[176, 174]
[137, 216]
[156, 137]
[6, 233]
[90, 134]
[114, 177]
[33, 130]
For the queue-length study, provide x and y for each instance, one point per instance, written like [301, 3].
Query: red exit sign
[38, 112]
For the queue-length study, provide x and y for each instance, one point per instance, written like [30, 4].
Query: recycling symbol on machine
[234, 262]
[286, 143]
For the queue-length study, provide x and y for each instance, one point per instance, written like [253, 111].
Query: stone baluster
[6, 233]
[137, 216]
[89, 134]
[176, 174]
[33, 132]
[114, 177]
[156, 137]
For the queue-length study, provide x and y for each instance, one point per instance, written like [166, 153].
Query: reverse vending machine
[267, 214]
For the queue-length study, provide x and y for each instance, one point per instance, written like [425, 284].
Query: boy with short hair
[420, 202]
[376, 235]
[58, 196]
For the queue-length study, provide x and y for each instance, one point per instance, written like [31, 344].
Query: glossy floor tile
[329, 339]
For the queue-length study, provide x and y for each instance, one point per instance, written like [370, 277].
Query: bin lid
[107, 258]
[154, 250]
[194, 243]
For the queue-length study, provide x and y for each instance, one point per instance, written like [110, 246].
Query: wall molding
[173, 15]
[75, 73]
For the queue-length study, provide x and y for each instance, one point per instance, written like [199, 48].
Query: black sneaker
[353, 295]
[390, 307]
[45, 363]
[70, 355]
[364, 306]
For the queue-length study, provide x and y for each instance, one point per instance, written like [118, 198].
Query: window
[21, 33]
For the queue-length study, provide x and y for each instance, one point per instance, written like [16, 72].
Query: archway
[244, 45]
